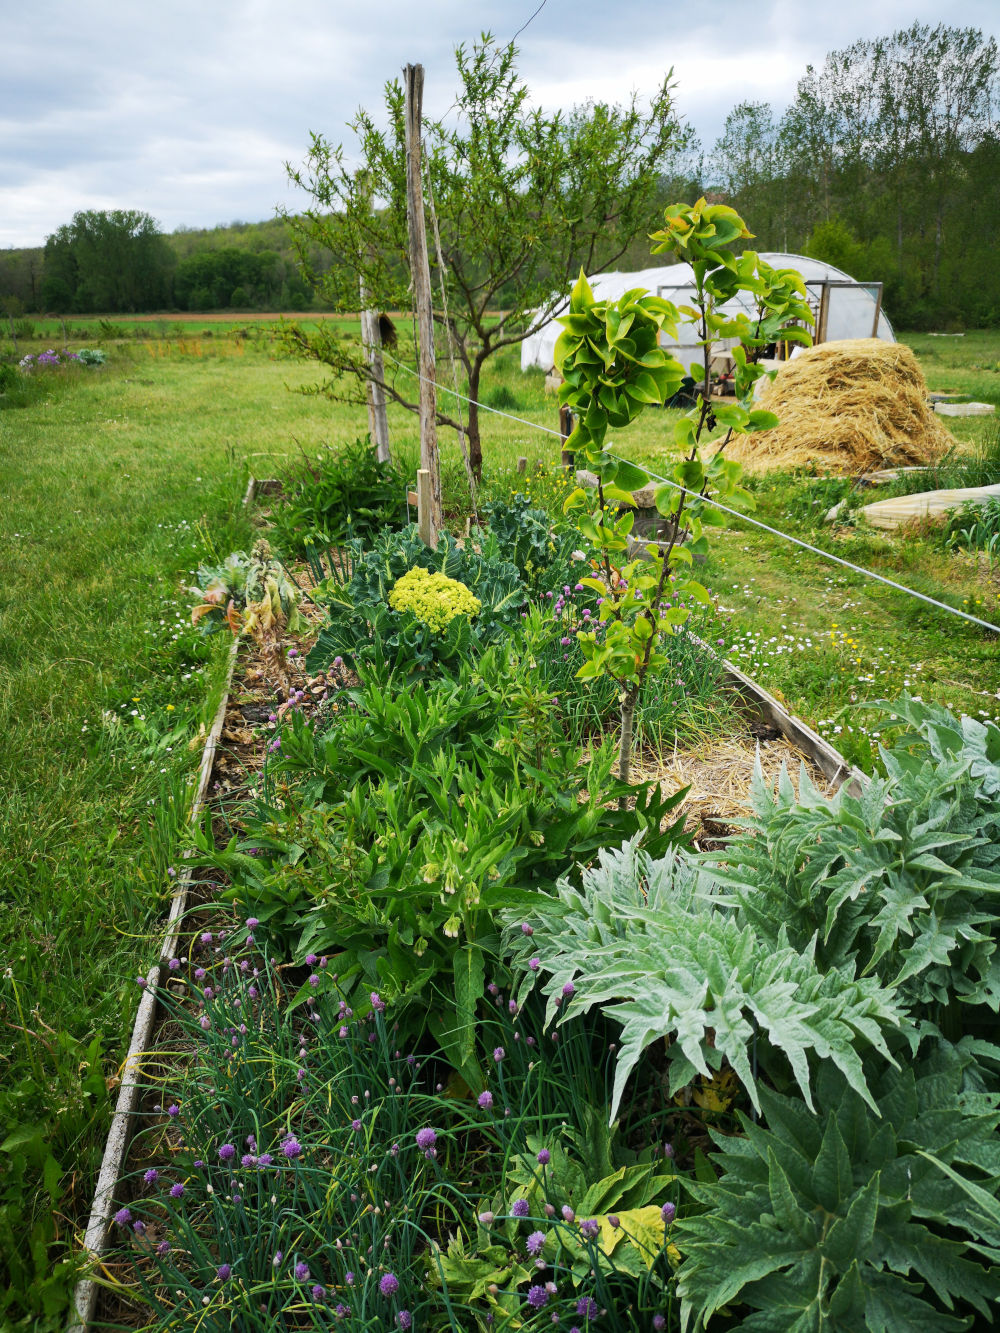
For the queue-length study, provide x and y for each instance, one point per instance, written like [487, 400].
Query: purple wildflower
[227, 1152]
[534, 964]
[485, 1100]
[589, 1228]
[569, 988]
[223, 1272]
[356, 1126]
[123, 1217]
[426, 1139]
[668, 1212]
[544, 1157]
[526, 929]
[378, 1004]
[486, 1219]
[139, 1227]
[568, 1214]
[520, 1208]
[537, 1297]
[163, 1248]
[151, 1176]
[588, 1307]
[173, 1111]
[499, 1054]
[404, 1319]
[535, 1242]
[388, 1284]
[177, 1191]
[318, 1293]
[301, 1272]
[252, 923]
[292, 1149]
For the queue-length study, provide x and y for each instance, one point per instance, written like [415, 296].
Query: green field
[118, 481]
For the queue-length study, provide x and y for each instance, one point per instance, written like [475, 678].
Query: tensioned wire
[744, 518]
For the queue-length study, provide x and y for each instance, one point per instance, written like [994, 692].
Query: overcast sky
[189, 112]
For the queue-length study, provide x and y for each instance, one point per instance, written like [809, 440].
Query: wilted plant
[253, 595]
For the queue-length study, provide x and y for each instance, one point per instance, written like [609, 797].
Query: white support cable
[745, 518]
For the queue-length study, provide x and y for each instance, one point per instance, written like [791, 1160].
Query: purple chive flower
[520, 1208]
[301, 1272]
[204, 1022]
[276, 1261]
[292, 1149]
[141, 982]
[564, 642]
[426, 1139]
[207, 937]
[534, 964]
[614, 1220]
[378, 1004]
[486, 1219]
[139, 1227]
[388, 1284]
[227, 1152]
[177, 1191]
[485, 1100]
[356, 1126]
[668, 1212]
[163, 1248]
[537, 1297]
[318, 1292]
[349, 1278]
[174, 964]
[224, 1272]
[198, 1163]
[199, 974]
[252, 923]
[568, 1214]
[151, 1176]
[265, 1159]
[173, 1111]
[544, 1157]
[588, 1307]
[404, 1319]
[123, 1217]
[499, 1054]
[668, 1150]
[659, 1323]
[589, 1229]
[569, 988]
[248, 1160]
[526, 929]
[311, 959]
[535, 1242]
[314, 981]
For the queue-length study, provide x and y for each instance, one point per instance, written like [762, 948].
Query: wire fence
[735, 513]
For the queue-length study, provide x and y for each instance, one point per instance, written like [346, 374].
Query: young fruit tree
[520, 199]
[613, 366]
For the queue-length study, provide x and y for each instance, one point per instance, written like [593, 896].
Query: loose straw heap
[847, 407]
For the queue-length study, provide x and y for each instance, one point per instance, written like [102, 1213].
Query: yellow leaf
[643, 1228]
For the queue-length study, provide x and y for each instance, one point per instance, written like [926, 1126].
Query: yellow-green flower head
[434, 599]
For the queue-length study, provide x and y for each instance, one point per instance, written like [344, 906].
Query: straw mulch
[719, 774]
[846, 407]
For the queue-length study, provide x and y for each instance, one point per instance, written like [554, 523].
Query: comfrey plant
[613, 366]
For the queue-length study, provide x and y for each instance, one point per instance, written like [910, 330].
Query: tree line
[887, 164]
[118, 262]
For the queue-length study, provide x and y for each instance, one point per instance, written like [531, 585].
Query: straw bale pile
[847, 407]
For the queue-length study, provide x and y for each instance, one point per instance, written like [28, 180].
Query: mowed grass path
[114, 488]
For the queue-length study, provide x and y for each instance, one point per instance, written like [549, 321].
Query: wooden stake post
[378, 424]
[420, 273]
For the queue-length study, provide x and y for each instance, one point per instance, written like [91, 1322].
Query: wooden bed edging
[119, 1135]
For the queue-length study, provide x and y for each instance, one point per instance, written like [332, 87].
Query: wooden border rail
[119, 1135]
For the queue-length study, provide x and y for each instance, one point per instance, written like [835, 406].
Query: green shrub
[343, 495]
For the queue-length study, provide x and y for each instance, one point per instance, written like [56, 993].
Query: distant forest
[887, 164]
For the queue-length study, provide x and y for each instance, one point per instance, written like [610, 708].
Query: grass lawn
[118, 482]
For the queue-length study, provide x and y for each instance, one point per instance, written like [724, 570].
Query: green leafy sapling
[613, 367]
